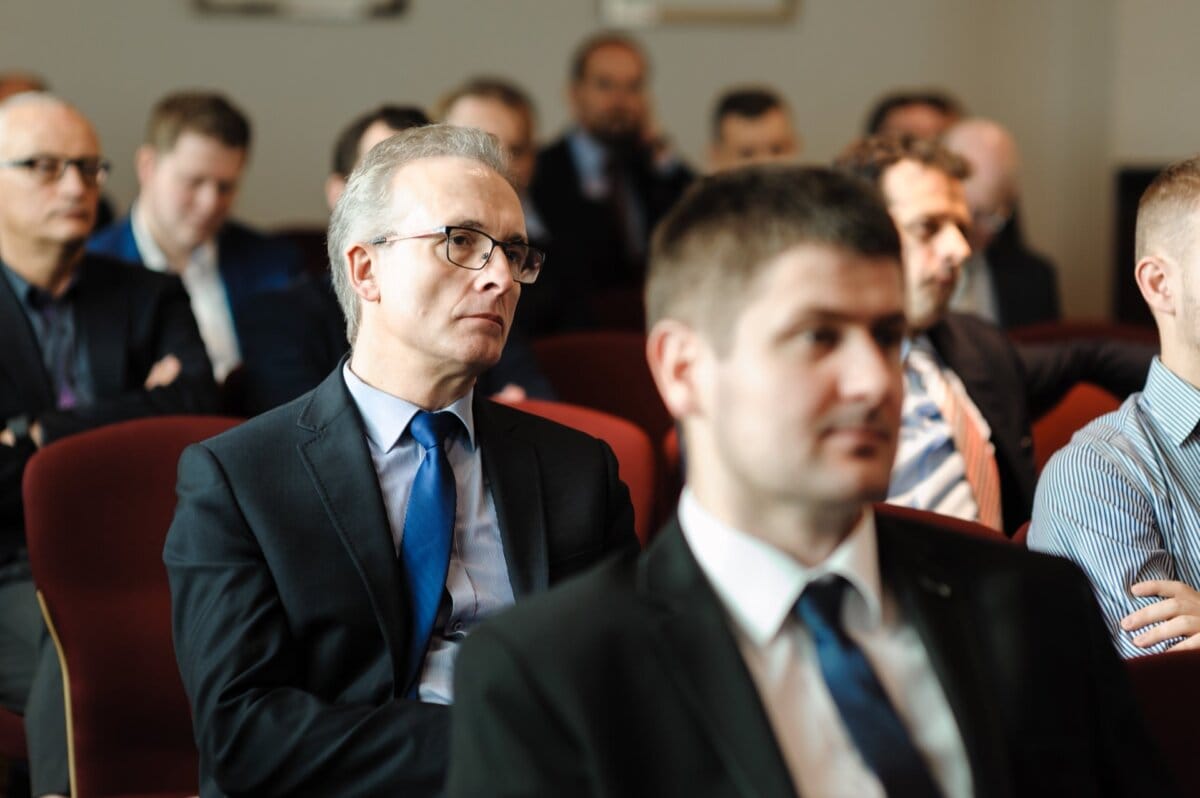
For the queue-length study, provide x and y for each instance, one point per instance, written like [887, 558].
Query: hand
[1177, 615]
[7, 438]
[163, 372]
[510, 393]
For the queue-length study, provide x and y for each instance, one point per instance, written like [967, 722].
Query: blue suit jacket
[250, 262]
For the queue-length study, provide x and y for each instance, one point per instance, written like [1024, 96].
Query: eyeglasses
[472, 249]
[49, 169]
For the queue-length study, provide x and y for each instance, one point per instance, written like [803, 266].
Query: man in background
[189, 170]
[605, 183]
[751, 125]
[924, 113]
[1004, 281]
[87, 341]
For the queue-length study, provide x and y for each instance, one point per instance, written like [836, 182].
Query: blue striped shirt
[1122, 499]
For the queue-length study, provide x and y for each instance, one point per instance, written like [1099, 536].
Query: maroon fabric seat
[630, 444]
[942, 522]
[12, 735]
[1167, 687]
[97, 509]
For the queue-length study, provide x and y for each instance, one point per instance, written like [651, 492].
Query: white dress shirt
[759, 586]
[206, 292]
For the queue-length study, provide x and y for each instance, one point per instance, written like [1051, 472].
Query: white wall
[1081, 82]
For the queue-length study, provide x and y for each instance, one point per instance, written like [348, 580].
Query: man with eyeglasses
[327, 558]
[87, 341]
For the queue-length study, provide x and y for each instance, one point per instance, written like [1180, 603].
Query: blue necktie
[428, 526]
[868, 714]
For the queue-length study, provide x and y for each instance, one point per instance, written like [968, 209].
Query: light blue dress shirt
[1122, 499]
[477, 583]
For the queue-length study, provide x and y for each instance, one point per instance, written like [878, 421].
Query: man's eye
[461, 238]
[822, 336]
[47, 167]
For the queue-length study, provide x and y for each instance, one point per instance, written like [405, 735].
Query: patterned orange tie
[978, 462]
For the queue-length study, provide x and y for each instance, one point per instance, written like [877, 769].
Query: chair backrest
[12, 735]
[97, 509]
[1050, 331]
[636, 464]
[941, 521]
[1167, 687]
[1053, 430]
[605, 370]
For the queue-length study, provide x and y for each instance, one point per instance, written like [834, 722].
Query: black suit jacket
[628, 682]
[1025, 284]
[127, 318]
[289, 609]
[1013, 385]
[587, 258]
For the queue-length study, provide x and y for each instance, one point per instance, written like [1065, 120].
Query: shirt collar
[30, 296]
[152, 255]
[589, 155]
[386, 417]
[1177, 399]
[759, 606]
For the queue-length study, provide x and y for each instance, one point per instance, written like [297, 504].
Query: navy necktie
[428, 526]
[865, 709]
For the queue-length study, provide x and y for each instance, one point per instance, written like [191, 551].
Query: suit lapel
[20, 356]
[99, 316]
[513, 473]
[935, 601]
[691, 637]
[339, 464]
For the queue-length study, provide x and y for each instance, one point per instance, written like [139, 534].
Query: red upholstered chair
[1048, 332]
[1021, 535]
[12, 735]
[97, 509]
[632, 447]
[941, 521]
[607, 370]
[1167, 687]
[1053, 430]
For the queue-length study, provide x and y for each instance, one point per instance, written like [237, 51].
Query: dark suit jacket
[586, 257]
[291, 340]
[1024, 283]
[290, 614]
[250, 262]
[1012, 386]
[127, 319]
[628, 681]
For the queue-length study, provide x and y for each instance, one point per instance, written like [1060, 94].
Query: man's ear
[1156, 278]
[144, 161]
[676, 352]
[360, 262]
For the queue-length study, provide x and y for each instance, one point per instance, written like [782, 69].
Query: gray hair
[363, 210]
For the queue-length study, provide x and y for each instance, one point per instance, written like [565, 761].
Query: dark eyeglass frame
[93, 170]
[519, 266]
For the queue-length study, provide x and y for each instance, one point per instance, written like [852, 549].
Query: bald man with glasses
[87, 341]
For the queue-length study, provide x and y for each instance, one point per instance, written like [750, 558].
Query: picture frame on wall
[637, 13]
[309, 9]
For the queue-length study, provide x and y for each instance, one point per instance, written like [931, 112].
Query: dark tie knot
[820, 604]
[431, 429]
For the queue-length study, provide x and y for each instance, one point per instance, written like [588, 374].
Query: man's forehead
[612, 57]
[452, 187]
[909, 181]
[49, 127]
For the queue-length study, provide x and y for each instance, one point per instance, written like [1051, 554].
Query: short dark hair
[603, 39]
[934, 98]
[493, 88]
[749, 102]
[207, 113]
[869, 157]
[729, 226]
[397, 117]
[1165, 209]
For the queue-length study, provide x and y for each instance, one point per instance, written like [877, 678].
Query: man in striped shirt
[1123, 498]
